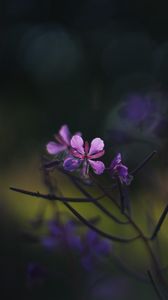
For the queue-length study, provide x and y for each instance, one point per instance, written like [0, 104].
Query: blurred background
[100, 66]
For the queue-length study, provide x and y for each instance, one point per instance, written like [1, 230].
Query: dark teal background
[74, 62]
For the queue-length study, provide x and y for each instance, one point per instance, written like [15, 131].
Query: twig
[121, 195]
[82, 219]
[145, 240]
[102, 233]
[97, 204]
[143, 163]
[160, 222]
[52, 197]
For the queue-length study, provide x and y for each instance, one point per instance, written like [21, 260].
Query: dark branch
[160, 222]
[97, 204]
[52, 197]
[82, 219]
[143, 163]
[122, 200]
[154, 285]
[100, 232]
[51, 164]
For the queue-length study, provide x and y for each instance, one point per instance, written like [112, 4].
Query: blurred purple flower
[94, 248]
[82, 153]
[138, 109]
[97, 245]
[63, 138]
[36, 274]
[63, 236]
[117, 169]
[90, 247]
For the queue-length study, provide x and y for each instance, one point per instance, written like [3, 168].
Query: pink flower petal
[77, 143]
[97, 145]
[97, 166]
[65, 134]
[97, 155]
[76, 153]
[71, 164]
[54, 148]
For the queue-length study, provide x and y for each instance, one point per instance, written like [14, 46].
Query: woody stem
[145, 240]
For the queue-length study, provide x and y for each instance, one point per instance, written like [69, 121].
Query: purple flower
[62, 143]
[62, 236]
[94, 248]
[138, 108]
[82, 153]
[96, 244]
[117, 169]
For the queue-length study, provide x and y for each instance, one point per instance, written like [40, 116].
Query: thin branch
[52, 197]
[122, 202]
[51, 164]
[76, 181]
[160, 222]
[107, 194]
[143, 237]
[154, 285]
[82, 219]
[143, 163]
[93, 220]
[97, 204]
[100, 232]
[47, 179]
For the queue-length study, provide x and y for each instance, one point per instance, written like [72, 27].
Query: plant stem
[52, 197]
[160, 222]
[143, 163]
[100, 232]
[144, 239]
[97, 204]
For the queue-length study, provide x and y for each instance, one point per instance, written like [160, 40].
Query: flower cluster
[80, 155]
[62, 236]
[65, 237]
[83, 248]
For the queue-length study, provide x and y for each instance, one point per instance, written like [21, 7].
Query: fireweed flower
[63, 138]
[82, 153]
[117, 169]
[62, 236]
